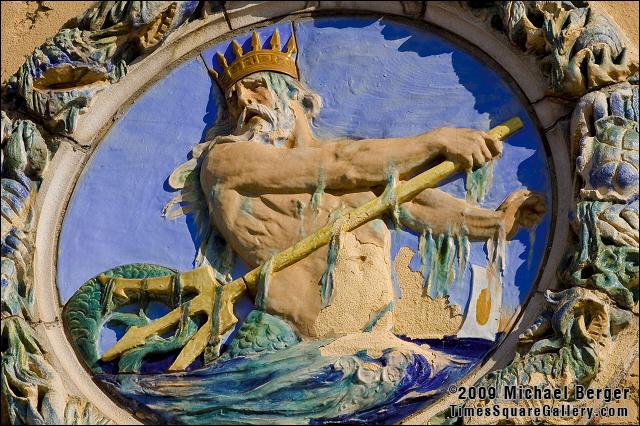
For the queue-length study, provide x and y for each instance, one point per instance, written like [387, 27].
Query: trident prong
[201, 281]
[216, 300]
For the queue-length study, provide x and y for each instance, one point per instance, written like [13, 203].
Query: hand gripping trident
[215, 300]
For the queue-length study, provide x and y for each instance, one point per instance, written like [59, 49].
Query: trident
[215, 300]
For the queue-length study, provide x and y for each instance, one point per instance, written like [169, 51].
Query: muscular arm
[341, 164]
[443, 213]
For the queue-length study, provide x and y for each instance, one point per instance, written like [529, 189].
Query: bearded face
[259, 104]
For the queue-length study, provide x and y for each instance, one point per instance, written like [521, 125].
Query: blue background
[377, 78]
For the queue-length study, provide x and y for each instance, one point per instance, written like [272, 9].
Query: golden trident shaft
[216, 300]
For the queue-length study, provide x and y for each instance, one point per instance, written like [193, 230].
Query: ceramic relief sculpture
[60, 78]
[600, 272]
[581, 48]
[305, 214]
[320, 219]
[32, 390]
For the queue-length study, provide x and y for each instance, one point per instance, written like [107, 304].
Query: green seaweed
[464, 248]
[318, 194]
[299, 214]
[426, 245]
[478, 182]
[496, 253]
[326, 281]
[245, 206]
[335, 214]
[374, 317]
[389, 195]
[442, 272]
[212, 350]
[437, 259]
[263, 284]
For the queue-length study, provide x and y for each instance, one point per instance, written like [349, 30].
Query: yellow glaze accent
[256, 60]
[483, 307]
[202, 281]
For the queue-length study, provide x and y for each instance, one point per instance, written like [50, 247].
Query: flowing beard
[274, 128]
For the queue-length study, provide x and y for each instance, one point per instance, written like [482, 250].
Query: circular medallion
[322, 220]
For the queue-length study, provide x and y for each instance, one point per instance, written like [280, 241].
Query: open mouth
[251, 115]
[67, 77]
[156, 29]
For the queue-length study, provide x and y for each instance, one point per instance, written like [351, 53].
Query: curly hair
[191, 199]
[286, 88]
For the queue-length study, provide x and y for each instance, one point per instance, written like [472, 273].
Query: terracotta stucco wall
[625, 14]
[27, 24]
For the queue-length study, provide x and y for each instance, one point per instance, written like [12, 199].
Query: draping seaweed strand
[216, 300]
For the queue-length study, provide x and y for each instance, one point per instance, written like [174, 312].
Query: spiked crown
[256, 60]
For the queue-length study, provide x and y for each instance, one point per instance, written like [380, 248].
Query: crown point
[275, 40]
[237, 49]
[255, 41]
[255, 59]
[212, 73]
[222, 60]
[291, 45]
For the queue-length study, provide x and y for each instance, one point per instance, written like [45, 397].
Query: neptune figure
[319, 346]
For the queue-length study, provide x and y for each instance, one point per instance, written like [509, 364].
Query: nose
[245, 97]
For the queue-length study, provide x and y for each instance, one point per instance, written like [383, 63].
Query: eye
[255, 84]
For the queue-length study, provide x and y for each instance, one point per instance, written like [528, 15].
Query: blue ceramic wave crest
[268, 376]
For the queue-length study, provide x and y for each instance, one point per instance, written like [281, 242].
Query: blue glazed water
[377, 78]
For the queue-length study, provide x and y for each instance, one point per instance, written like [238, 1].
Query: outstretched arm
[442, 213]
[341, 164]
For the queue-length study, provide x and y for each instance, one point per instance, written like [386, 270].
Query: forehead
[259, 78]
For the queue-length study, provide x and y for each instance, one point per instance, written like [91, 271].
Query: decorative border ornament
[580, 48]
[53, 86]
[584, 57]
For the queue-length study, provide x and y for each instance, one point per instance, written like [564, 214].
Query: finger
[494, 144]
[515, 200]
[478, 158]
[466, 162]
[486, 152]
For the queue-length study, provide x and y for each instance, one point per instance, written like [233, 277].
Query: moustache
[256, 110]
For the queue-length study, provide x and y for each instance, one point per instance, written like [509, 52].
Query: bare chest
[259, 226]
